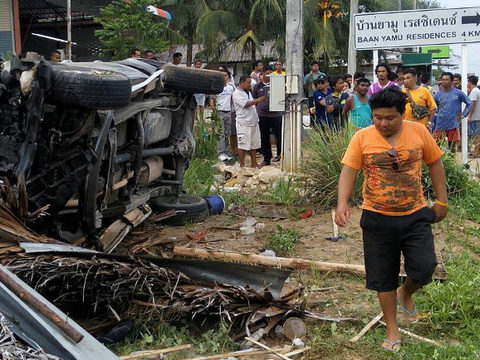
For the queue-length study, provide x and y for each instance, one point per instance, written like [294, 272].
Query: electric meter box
[277, 92]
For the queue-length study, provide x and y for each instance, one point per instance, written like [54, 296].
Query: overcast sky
[473, 48]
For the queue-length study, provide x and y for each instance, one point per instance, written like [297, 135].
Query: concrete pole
[352, 52]
[464, 120]
[292, 122]
[375, 63]
[68, 51]
[399, 4]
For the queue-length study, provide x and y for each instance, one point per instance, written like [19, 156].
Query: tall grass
[322, 164]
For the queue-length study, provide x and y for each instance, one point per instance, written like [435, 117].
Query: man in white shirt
[248, 130]
[223, 104]
[474, 115]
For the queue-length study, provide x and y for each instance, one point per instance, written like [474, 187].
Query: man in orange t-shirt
[395, 218]
[420, 96]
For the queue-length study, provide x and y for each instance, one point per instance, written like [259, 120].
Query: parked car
[94, 141]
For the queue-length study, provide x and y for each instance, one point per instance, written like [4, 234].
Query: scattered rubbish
[200, 236]
[260, 226]
[278, 330]
[117, 333]
[268, 252]
[247, 230]
[250, 221]
[293, 328]
[307, 214]
[215, 203]
[298, 343]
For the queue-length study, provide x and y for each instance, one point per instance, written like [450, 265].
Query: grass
[282, 241]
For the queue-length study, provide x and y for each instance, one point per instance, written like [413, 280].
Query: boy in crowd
[319, 95]
[279, 68]
[309, 81]
[335, 103]
[357, 106]
[248, 130]
[395, 218]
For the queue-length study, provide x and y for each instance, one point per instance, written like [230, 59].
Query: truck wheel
[192, 80]
[90, 89]
[191, 208]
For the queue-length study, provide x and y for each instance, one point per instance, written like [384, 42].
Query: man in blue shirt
[319, 95]
[449, 103]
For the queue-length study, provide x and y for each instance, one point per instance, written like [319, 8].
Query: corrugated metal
[6, 15]
[5, 42]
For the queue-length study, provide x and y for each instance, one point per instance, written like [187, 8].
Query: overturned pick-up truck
[90, 142]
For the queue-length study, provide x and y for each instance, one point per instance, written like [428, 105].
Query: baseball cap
[322, 78]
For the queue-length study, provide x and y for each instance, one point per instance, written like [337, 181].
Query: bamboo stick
[236, 354]
[415, 336]
[267, 348]
[367, 327]
[154, 353]
[288, 263]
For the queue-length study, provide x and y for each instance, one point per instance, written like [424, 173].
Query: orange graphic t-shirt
[386, 190]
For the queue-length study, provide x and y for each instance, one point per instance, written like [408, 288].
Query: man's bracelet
[441, 203]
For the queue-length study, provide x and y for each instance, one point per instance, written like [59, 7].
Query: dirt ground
[345, 294]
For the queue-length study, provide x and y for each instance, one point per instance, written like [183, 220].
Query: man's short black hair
[255, 64]
[346, 76]
[363, 80]
[243, 78]
[424, 78]
[334, 79]
[197, 60]
[447, 73]
[226, 71]
[57, 52]
[400, 70]
[473, 80]
[410, 71]
[177, 55]
[267, 67]
[147, 51]
[457, 76]
[314, 62]
[385, 65]
[390, 97]
[358, 75]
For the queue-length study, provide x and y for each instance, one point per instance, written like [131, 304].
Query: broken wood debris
[267, 348]
[289, 263]
[153, 354]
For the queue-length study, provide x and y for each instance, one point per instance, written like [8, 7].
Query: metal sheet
[33, 328]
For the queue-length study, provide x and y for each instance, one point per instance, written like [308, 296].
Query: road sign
[438, 52]
[396, 29]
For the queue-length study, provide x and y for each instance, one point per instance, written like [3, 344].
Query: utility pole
[68, 51]
[293, 119]
[352, 52]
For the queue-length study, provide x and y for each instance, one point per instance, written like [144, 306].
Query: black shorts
[385, 237]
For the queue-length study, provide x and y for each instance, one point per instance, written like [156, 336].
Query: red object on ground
[196, 237]
[307, 214]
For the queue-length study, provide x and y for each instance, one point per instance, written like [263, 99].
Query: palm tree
[239, 24]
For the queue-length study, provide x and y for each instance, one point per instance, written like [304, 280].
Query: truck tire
[90, 89]
[192, 80]
[192, 208]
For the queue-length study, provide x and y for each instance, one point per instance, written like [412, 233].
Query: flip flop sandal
[395, 345]
[413, 313]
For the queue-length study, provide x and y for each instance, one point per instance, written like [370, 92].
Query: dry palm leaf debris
[85, 287]
[12, 349]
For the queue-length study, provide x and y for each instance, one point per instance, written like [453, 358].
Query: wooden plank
[267, 348]
[367, 327]
[153, 354]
